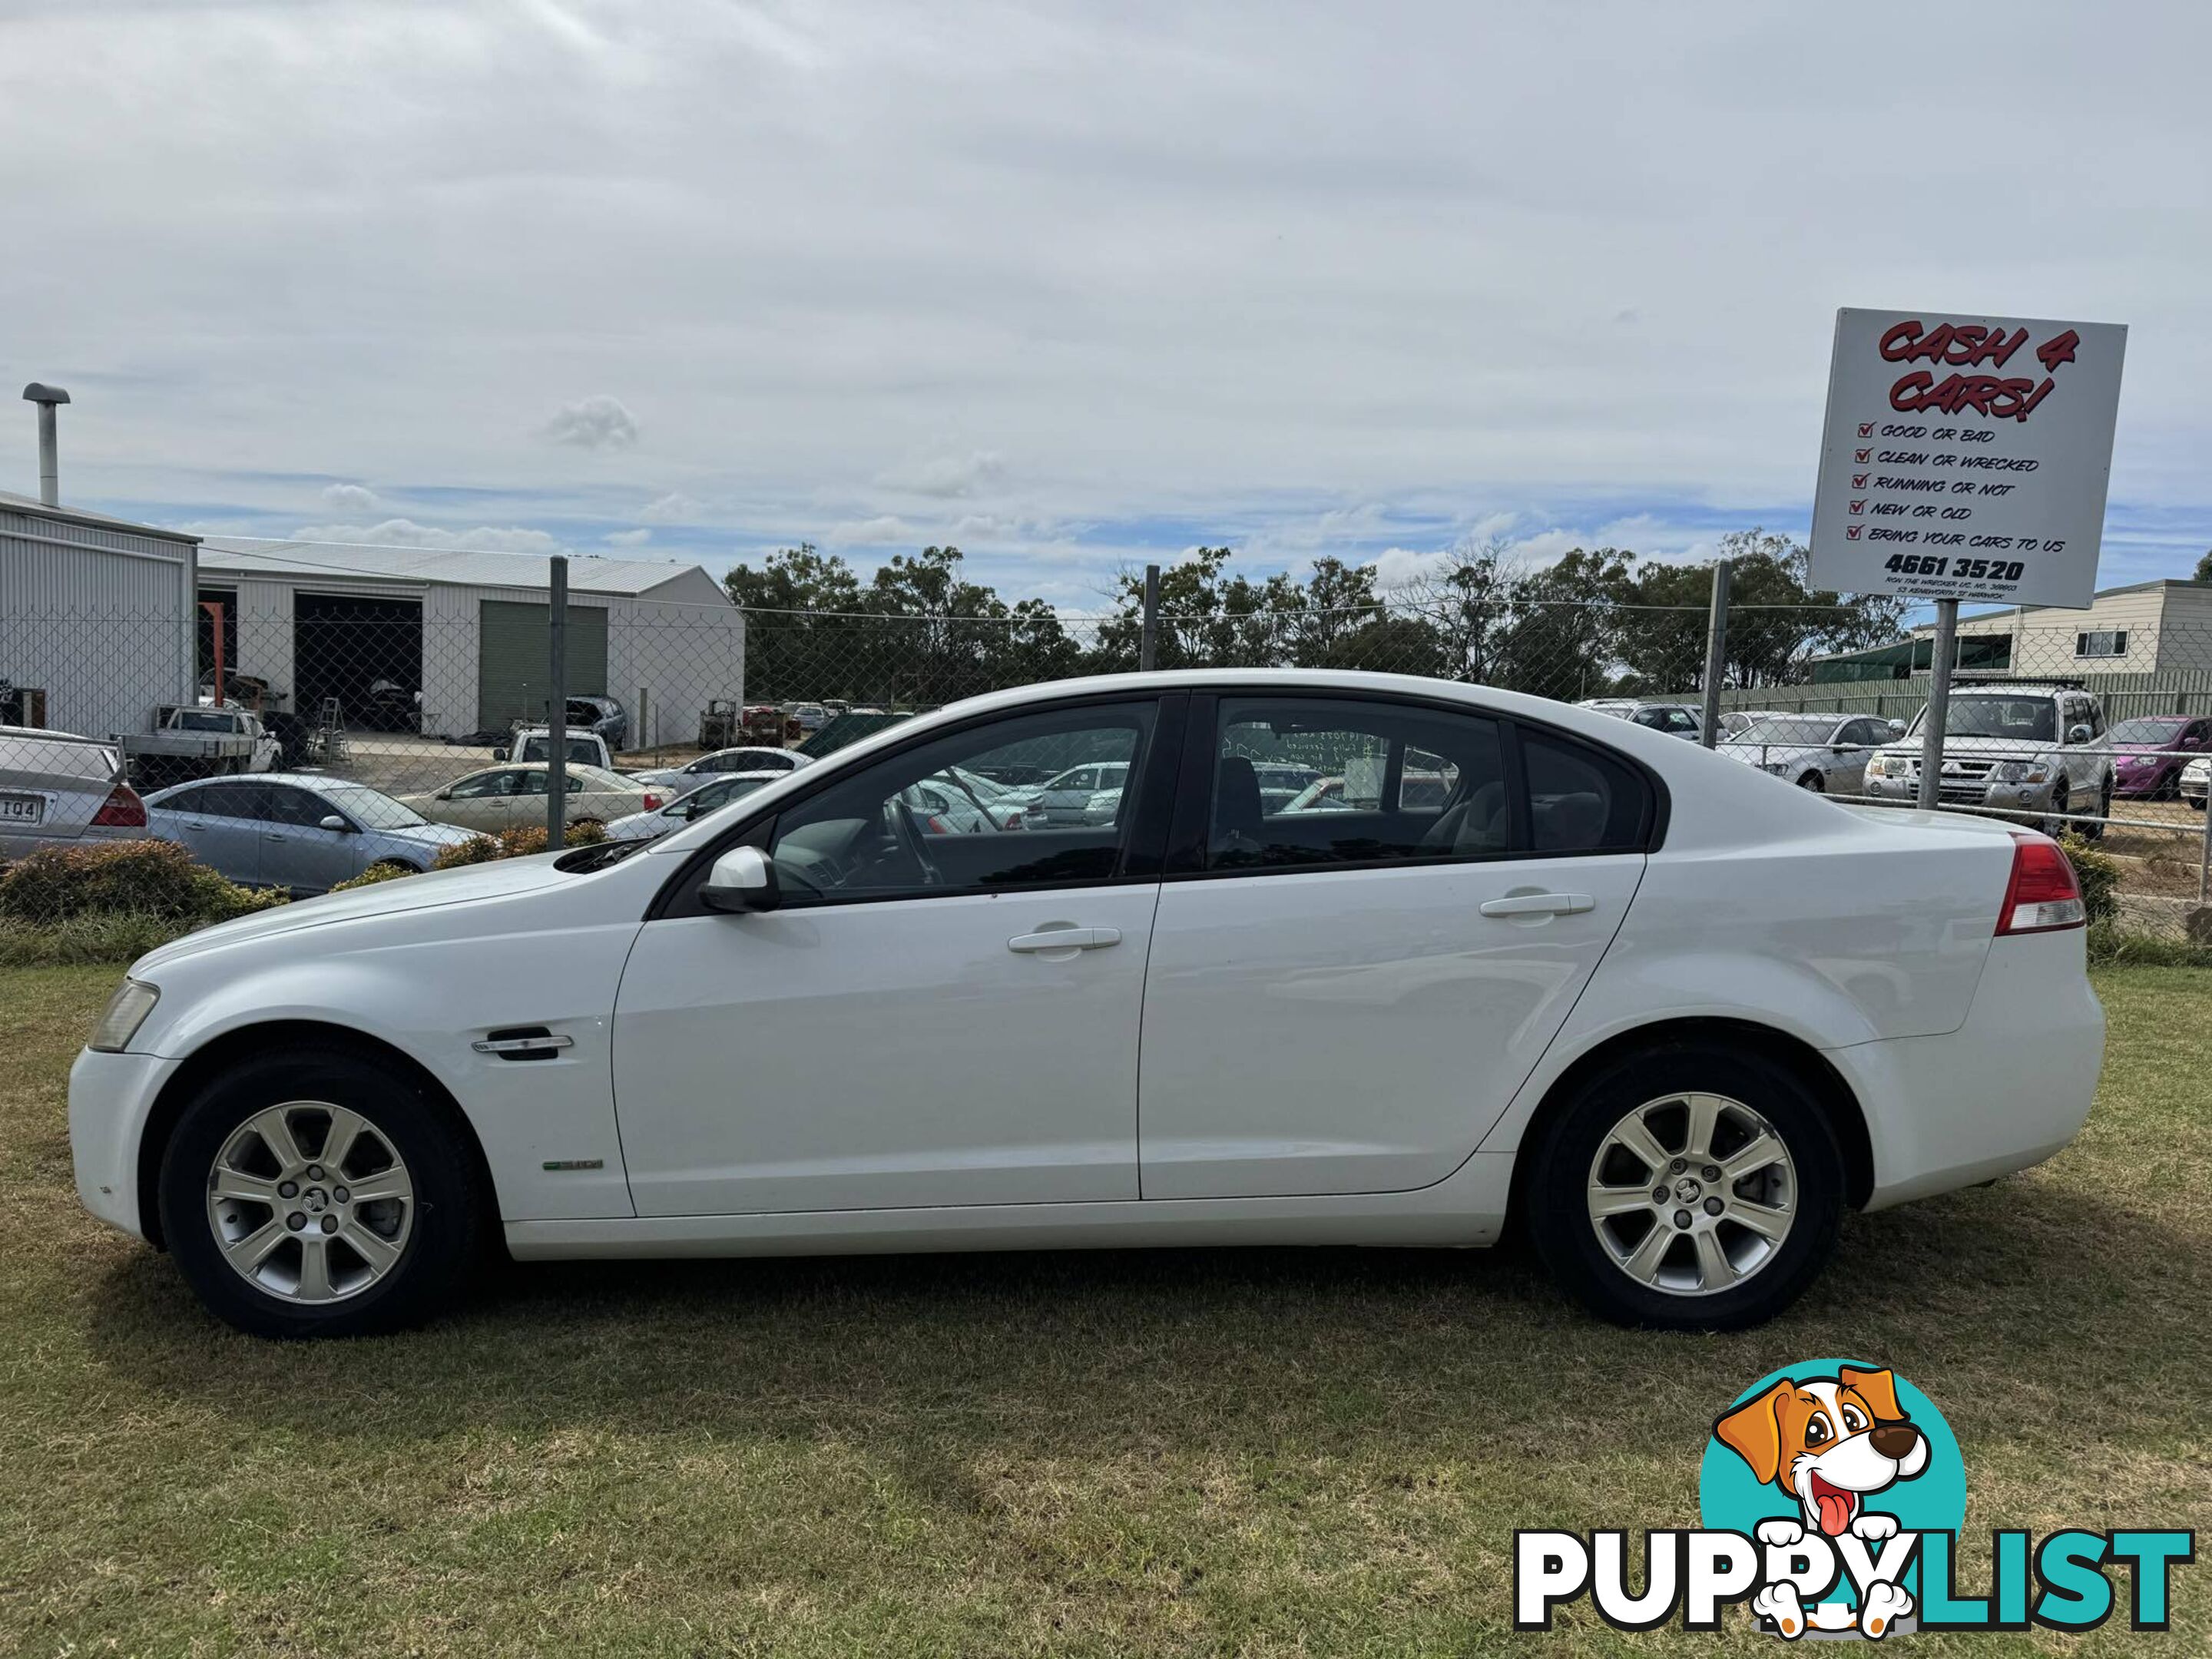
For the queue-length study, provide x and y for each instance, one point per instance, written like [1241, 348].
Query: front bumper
[1986, 793]
[2004, 1092]
[110, 1098]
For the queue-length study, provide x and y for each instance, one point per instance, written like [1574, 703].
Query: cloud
[627, 537]
[674, 508]
[405, 532]
[873, 532]
[598, 423]
[350, 498]
[947, 476]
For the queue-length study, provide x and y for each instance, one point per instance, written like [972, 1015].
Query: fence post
[642, 738]
[1148, 642]
[556, 707]
[1938, 704]
[1715, 654]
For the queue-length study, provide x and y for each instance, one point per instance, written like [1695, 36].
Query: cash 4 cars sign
[1967, 457]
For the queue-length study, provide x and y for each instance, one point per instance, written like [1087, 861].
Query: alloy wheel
[1691, 1195]
[310, 1202]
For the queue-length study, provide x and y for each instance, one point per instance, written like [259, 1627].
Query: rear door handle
[1538, 904]
[1065, 939]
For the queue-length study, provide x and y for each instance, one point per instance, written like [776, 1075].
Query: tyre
[2055, 823]
[325, 1193]
[1813, 781]
[2096, 831]
[1688, 1188]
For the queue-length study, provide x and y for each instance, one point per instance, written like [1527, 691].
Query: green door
[514, 643]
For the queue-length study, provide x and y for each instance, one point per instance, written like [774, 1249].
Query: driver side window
[966, 814]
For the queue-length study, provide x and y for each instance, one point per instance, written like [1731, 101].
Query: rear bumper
[2004, 1092]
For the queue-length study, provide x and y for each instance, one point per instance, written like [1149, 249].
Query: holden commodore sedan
[1601, 984]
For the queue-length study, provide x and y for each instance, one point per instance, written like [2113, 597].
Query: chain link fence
[294, 745]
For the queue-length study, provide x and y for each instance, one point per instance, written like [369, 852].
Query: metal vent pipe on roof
[49, 466]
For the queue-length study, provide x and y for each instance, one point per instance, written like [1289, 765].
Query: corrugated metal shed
[96, 613]
[454, 568]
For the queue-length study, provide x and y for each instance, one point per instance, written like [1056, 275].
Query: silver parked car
[1824, 753]
[2037, 747]
[60, 790]
[294, 831]
[754, 759]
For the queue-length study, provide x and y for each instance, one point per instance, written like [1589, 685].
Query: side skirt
[1468, 1208]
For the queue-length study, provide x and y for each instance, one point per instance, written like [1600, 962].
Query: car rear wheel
[318, 1194]
[1689, 1188]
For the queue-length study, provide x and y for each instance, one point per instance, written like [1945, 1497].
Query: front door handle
[1065, 939]
[1538, 904]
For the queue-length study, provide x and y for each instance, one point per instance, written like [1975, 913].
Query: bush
[143, 879]
[372, 876]
[519, 842]
[2109, 947]
[85, 939]
[2098, 872]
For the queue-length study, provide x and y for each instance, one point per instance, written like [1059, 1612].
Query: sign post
[1965, 458]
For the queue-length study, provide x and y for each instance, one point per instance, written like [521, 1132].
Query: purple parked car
[2144, 763]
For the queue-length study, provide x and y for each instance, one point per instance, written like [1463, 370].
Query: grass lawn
[1246, 1451]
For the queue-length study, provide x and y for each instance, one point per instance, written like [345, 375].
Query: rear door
[1346, 1001]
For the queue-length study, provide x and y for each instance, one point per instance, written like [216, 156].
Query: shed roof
[426, 565]
[10, 502]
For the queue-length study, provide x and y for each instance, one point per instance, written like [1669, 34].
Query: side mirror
[1897, 728]
[499, 754]
[2078, 734]
[332, 821]
[742, 881]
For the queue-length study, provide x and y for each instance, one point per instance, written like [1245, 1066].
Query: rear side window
[1582, 800]
[1398, 781]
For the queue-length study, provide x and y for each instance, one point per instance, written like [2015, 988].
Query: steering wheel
[910, 837]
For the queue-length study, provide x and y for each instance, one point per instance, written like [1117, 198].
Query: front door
[219, 824]
[296, 851]
[1345, 997]
[944, 1011]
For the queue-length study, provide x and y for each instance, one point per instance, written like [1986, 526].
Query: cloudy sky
[1072, 285]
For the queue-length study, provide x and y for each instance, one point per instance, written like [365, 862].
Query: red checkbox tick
[1858, 480]
[1866, 429]
[1851, 531]
[1864, 455]
[1859, 506]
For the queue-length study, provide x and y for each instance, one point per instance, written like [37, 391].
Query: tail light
[651, 800]
[2043, 896]
[122, 810]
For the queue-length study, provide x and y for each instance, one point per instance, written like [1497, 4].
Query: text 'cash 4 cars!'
[1563, 971]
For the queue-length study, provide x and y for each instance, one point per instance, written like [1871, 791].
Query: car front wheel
[318, 1194]
[1689, 1188]
[1813, 781]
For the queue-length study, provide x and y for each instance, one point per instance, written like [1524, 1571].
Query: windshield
[2021, 720]
[368, 809]
[2147, 728]
[1786, 730]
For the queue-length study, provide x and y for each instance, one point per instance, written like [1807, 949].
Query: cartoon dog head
[1828, 1442]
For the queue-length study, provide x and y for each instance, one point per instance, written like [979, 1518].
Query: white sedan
[682, 780]
[513, 796]
[1674, 1019]
[709, 796]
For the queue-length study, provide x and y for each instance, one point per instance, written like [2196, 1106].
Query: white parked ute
[1610, 986]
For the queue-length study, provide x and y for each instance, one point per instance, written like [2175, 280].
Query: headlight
[2021, 771]
[1879, 765]
[126, 1011]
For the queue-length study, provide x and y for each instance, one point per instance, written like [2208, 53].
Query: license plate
[22, 809]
